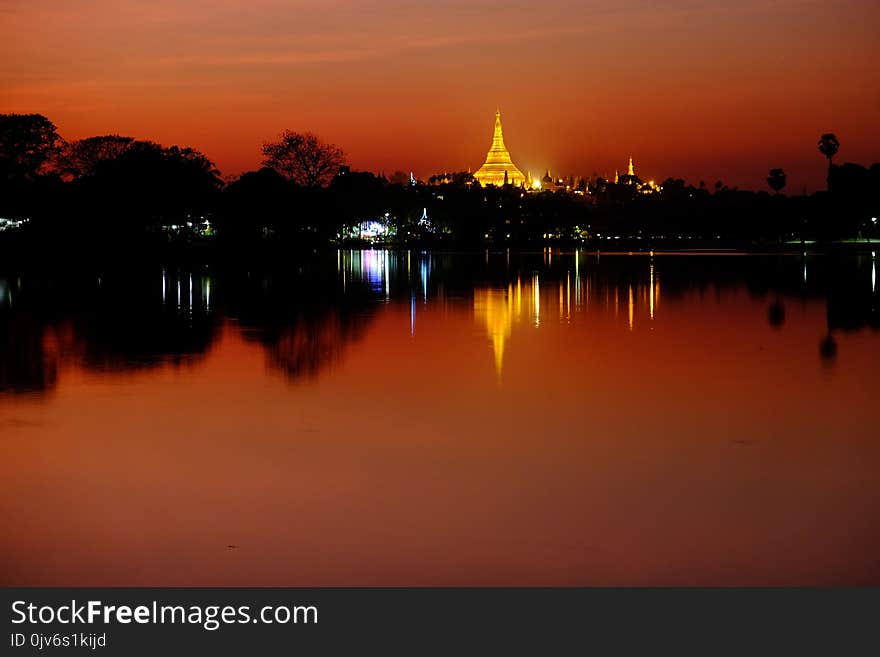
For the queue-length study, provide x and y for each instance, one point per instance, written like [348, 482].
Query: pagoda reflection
[537, 301]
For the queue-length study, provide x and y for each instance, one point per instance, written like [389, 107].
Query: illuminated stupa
[499, 169]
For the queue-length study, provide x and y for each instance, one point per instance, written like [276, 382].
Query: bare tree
[304, 158]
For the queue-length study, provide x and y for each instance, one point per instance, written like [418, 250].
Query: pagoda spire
[498, 136]
[499, 169]
[630, 170]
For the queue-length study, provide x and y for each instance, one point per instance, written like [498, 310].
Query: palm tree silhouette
[776, 180]
[828, 146]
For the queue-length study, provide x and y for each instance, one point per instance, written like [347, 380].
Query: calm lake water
[382, 418]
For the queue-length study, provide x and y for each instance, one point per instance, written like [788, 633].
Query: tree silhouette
[776, 180]
[28, 142]
[828, 146]
[195, 162]
[304, 158]
[84, 156]
[146, 185]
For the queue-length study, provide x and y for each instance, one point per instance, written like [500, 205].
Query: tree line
[117, 188]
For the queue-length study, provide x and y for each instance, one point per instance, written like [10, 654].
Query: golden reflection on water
[499, 311]
[495, 310]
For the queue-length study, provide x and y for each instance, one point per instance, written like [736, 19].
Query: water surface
[381, 418]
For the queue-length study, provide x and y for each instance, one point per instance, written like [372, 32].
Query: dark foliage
[115, 189]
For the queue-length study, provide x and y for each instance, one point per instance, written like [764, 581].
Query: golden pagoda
[499, 169]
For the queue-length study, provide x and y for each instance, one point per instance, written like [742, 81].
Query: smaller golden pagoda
[499, 169]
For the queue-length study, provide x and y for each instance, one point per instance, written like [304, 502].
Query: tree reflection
[309, 345]
[776, 313]
[26, 364]
[304, 315]
[852, 301]
[129, 329]
[828, 349]
[108, 321]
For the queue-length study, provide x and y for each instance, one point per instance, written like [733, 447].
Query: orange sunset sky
[694, 89]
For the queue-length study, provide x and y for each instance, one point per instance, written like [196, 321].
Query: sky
[694, 89]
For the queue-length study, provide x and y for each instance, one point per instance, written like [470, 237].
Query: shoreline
[17, 248]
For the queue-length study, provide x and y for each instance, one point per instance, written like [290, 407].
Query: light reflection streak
[424, 276]
[568, 296]
[560, 301]
[536, 284]
[387, 277]
[630, 307]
